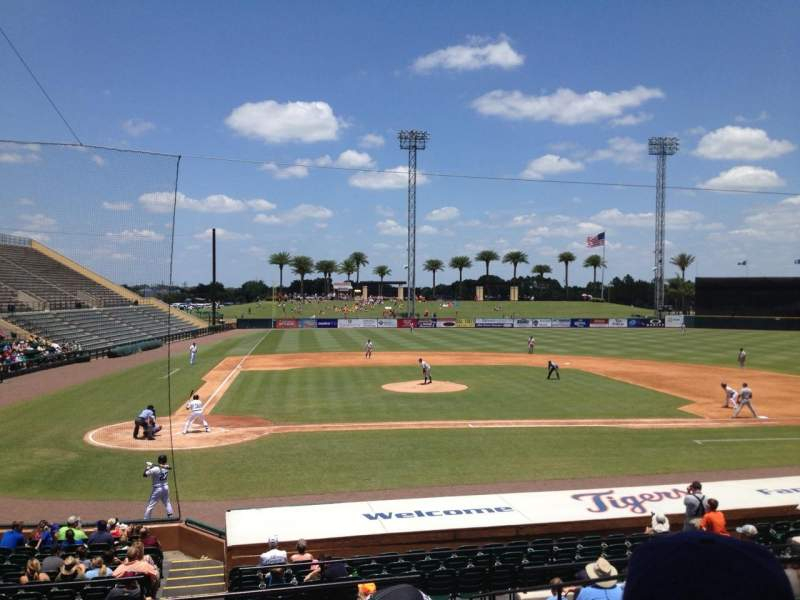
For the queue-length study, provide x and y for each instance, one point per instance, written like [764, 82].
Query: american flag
[596, 240]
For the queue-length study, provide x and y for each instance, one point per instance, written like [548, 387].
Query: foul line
[734, 440]
[235, 370]
[170, 373]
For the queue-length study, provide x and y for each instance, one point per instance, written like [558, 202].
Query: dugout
[747, 296]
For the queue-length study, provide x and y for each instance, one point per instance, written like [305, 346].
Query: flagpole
[603, 275]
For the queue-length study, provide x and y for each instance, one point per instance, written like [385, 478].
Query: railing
[14, 240]
[195, 524]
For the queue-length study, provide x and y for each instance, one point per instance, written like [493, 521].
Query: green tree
[678, 289]
[302, 266]
[683, 261]
[594, 261]
[487, 256]
[360, 260]
[327, 268]
[432, 265]
[280, 260]
[541, 271]
[460, 263]
[515, 257]
[566, 258]
[347, 267]
[382, 271]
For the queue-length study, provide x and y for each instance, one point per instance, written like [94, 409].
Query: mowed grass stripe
[353, 394]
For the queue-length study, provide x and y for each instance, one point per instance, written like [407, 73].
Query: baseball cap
[748, 530]
[273, 540]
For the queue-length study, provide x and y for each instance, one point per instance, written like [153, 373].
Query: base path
[774, 395]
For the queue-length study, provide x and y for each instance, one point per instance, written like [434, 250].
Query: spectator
[273, 556]
[135, 563]
[748, 533]
[697, 566]
[148, 539]
[126, 590]
[601, 590]
[695, 503]
[71, 570]
[365, 590]
[333, 570]
[658, 524]
[82, 552]
[53, 563]
[42, 537]
[557, 591]
[110, 559]
[792, 568]
[315, 574]
[70, 541]
[714, 520]
[73, 523]
[99, 569]
[13, 537]
[101, 534]
[33, 573]
[116, 528]
[302, 555]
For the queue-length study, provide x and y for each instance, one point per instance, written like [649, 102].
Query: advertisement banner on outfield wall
[327, 323]
[541, 323]
[387, 323]
[426, 323]
[465, 323]
[618, 322]
[405, 323]
[598, 323]
[522, 323]
[501, 323]
[307, 324]
[673, 320]
[372, 323]
[286, 324]
[446, 323]
[579, 323]
[644, 322]
[350, 323]
[561, 323]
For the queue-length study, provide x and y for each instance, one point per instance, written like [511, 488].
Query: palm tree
[566, 258]
[515, 257]
[360, 260]
[594, 261]
[280, 260]
[487, 256]
[460, 263]
[432, 265]
[682, 261]
[327, 268]
[347, 267]
[302, 266]
[541, 270]
[382, 271]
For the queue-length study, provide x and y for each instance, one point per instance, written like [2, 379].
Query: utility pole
[660, 147]
[412, 140]
[213, 277]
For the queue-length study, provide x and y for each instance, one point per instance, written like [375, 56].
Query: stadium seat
[428, 565]
[62, 594]
[456, 562]
[441, 582]
[501, 577]
[470, 580]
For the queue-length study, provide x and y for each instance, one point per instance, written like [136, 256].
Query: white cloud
[298, 171]
[118, 206]
[34, 235]
[98, 160]
[18, 158]
[137, 127]
[161, 202]
[391, 227]
[675, 219]
[222, 234]
[621, 150]
[792, 201]
[550, 164]
[427, 230]
[446, 213]
[746, 178]
[353, 159]
[560, 226]
[384, 211]
[261, 204]
[25, 202]
[371, 140]
[301, 212]
[631, 119]
[523, 220]
[389, 179]
[276, 122]
[741, 143]
[143, 235]
[774, 224]
[564, 106]
[477, 54]
[36, 222]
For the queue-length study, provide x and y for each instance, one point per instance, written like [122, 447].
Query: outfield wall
[444, 323]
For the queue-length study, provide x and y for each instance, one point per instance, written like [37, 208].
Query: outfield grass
[460, 309]
[340, 395]
[768, 350]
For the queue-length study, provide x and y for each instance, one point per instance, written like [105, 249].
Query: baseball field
[299, 413]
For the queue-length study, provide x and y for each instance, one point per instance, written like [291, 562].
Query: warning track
[775, 395]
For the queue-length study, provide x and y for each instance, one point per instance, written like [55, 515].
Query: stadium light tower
[412, 140]
[660, 147]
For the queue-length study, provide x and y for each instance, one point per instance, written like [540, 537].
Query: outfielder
[159, 474]
[426, 372]
[741, 357]
[192, 353]
[552, 368]
[195, 405]
[731, 396]
[368, 348]
[531, 344]
[745, 399]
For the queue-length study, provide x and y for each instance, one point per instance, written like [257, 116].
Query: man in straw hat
[602, 588]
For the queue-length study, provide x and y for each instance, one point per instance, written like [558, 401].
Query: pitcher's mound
[416, 387]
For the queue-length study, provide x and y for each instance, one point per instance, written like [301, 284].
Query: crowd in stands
[68, 552]
[17, 354]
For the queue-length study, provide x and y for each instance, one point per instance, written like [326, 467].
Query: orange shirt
[714, 522]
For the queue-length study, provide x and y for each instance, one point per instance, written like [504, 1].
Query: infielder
[745, 399]
[192, 353]
[368, 348]
[551, 369]
[426, 372]
[531, 344]
[731, 396]
[195, 405]
[159, 474]
[741, 357]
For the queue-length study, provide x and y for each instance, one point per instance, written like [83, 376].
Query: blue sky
[542, 90]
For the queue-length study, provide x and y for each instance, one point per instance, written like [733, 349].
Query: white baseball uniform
[731, 397]
[195, 405]
[531, 344]
[159, 476]
[192, 353]
[368, 348]
[426, 372]
[741, 358]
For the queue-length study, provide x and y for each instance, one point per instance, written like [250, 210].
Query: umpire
[146, 419]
